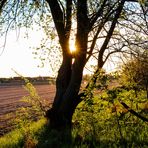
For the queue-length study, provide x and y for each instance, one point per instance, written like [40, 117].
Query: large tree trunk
[70, 75]
[67, 88]
[60, 115]
[62, 83]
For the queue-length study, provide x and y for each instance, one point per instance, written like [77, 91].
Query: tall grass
[22, 136]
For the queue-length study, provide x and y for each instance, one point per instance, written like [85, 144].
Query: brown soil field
[10, 97]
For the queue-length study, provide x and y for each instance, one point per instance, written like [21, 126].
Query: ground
[10, 96]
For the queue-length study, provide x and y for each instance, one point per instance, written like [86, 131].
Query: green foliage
[17, 138]
[34, 99]
[142, 1]
[33, 110]
[101, 121]
[135, 72]
[102, 80]
[34, 106]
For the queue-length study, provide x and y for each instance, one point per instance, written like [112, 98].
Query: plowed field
[10, 97]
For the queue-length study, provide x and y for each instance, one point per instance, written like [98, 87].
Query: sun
[72, 46]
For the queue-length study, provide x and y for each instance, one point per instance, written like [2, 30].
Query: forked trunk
[60, 116]
[66, 95]
[70, 75]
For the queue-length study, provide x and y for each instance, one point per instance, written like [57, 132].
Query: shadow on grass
[54, 139]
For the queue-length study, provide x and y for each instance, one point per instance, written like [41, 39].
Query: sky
[17, 56]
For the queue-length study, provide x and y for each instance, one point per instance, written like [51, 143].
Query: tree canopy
[134, 73]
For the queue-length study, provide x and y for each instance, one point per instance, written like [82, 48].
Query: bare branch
[133, 112]
[112, 52]
[57, 15]
[94, 41]
[2, 3]
[68, 17]
[98, 14]
[131, 0]
[110, 32]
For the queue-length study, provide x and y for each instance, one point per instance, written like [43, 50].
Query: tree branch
[99, 13]
[131, 0]
[133, 112]
[82, 18]
[82, 27]
[94, 41]
[2, 3]
[68, 17]
[100, 26]
[58, 18]
[110, 32]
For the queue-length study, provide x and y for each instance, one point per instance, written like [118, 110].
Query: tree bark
[70, 75]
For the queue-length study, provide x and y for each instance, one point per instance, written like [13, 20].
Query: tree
[135, 73]
[96, 19]
[70, 74]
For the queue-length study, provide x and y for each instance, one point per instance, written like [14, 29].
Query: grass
[98, 122]
[12, 140]
[19, 137]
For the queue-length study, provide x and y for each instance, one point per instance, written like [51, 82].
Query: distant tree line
[20, 80]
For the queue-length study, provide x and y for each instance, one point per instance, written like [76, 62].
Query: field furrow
[10, 100]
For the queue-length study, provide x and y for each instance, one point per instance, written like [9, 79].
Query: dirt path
[10, 100]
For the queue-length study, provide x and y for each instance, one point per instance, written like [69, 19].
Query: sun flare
[72, 46]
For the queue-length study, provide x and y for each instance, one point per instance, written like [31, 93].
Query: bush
[135, 73]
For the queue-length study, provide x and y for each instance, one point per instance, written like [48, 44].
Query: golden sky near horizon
[17, 55]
